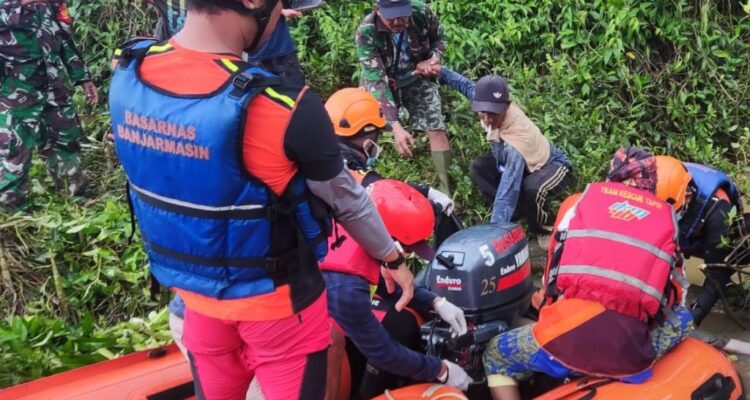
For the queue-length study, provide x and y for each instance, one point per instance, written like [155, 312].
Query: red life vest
[618, 248]
[350, 258]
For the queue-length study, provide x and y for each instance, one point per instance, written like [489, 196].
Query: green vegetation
[595, 75]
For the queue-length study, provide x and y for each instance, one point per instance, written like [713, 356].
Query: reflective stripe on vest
[613, 275]
[593, 233]
[240, 211]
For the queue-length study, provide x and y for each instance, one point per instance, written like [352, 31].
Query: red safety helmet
[407, 214]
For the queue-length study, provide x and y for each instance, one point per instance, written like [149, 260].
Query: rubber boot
[442, 162]
[716, 283]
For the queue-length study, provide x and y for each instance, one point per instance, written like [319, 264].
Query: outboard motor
[485, 270]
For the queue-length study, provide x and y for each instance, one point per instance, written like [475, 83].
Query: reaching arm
[310, 141]
[457, 82]
[353, 209]
[349, 305]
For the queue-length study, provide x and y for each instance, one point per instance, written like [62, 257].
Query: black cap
[491, 95]
[391, 9]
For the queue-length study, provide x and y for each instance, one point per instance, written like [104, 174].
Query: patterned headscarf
[636, 164]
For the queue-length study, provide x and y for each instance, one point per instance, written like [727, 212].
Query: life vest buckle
[244, 80]
[125, 57]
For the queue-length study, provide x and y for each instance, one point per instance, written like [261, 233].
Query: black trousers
[718, 279]
[535, 189]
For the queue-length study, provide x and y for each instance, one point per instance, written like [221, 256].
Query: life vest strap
[128, 54]
[246, 80]
[273, 265]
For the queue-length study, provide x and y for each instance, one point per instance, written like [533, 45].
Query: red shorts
[288, 355]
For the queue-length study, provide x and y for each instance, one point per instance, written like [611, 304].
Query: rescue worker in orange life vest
[239, 229]
[620, 322]
[709, 197]
[350, 274]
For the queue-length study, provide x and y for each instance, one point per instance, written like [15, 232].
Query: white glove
[441, 198]
[451, 314]
[455, 376]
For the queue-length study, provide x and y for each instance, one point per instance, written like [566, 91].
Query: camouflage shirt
[375, 50]
[39, 32]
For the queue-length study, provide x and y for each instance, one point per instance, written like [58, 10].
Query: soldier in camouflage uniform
[35, 102]
[399, 46]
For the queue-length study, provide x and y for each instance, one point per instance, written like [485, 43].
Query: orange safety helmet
[407, 214]
[672, 180]
[352, 110]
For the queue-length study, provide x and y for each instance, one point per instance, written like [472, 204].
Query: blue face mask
[372, 151]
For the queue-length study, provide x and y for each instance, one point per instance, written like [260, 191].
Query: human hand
[428, 68]
[455, 376]
[89, 89]
[404, 279]
[451, 314]
[403, 140]
[438, 197]
[289, 13]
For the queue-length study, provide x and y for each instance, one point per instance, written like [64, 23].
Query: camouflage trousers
[36, 112]
[422, 100]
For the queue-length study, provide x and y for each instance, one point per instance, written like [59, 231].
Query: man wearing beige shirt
[522, 162]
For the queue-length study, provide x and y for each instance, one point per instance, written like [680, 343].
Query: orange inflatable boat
[691, 371]
[160, 374]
